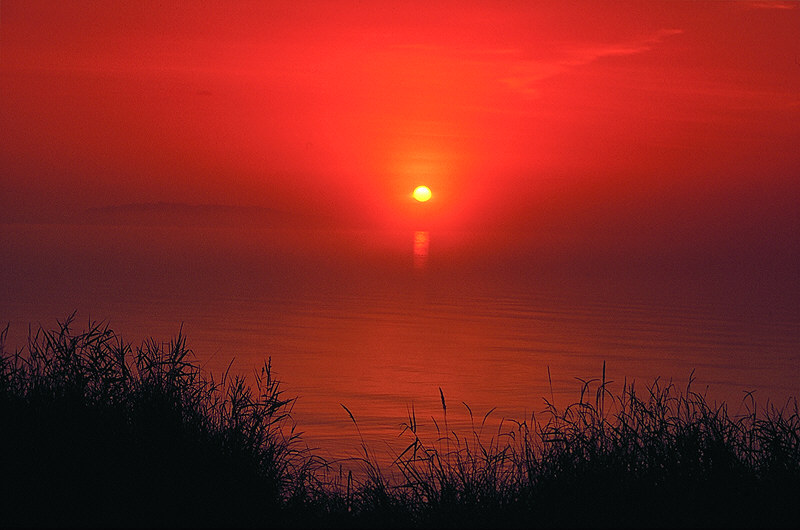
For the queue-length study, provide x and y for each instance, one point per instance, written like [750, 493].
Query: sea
[371, 331]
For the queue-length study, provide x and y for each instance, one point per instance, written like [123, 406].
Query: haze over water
[376, 322]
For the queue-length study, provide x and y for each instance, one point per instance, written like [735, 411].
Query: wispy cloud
[773, 5]
[526, 74]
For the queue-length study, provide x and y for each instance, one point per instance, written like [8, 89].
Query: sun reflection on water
[421, 243]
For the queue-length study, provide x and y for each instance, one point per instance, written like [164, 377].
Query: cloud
[772, 5]
[526, 74]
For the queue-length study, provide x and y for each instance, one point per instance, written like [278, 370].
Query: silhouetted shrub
[95, 433]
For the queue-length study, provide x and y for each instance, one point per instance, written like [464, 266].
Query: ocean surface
[381, 321]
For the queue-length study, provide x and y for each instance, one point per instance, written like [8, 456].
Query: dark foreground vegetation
[95, 433]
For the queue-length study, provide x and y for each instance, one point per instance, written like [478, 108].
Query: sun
[422, 193]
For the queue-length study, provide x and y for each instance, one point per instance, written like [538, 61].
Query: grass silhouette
[95, 432]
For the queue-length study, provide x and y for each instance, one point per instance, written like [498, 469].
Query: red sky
[677, 116]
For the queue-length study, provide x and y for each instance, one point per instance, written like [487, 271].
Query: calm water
[380, 321]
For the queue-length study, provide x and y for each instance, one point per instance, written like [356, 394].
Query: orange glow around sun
[422, 193]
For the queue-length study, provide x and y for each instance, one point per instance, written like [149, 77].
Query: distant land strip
[181, 214]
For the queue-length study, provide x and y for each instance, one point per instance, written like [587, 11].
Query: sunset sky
[662, 119]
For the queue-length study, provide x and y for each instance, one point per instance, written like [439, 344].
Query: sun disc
[422, 193]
